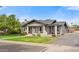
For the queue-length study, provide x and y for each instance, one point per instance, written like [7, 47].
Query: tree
[3, 19]
[11, 23]
[76, 26]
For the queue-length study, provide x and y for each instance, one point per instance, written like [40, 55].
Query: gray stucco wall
[64, 29]
[35, 24]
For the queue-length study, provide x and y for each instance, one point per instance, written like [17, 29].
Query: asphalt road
[12, 47]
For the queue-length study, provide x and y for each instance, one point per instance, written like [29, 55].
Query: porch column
[61, 31]
[44, 31]
[55, 30]
[27, 29]
[51, 29]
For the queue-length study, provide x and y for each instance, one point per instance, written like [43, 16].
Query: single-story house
[45, 27]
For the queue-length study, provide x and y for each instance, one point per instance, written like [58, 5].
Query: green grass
[10, 36]
[33, 39]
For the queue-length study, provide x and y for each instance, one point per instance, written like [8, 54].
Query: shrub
[38, 35]
[24, 33]
[53, 35]
[33, 34]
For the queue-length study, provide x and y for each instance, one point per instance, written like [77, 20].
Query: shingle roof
[60, 23]
[46, 22]
[23, 23]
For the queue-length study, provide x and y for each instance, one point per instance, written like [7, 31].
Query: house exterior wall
[55, 29]
[23, 29]
[47, 29]
[50, 29]
[64, 29]
[35, 24]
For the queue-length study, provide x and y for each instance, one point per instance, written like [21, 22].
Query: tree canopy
[9, 23]
[75, 26]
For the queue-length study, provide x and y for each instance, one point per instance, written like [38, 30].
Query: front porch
[34, 29]
[45, 30]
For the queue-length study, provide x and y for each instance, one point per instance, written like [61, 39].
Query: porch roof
[46, 22]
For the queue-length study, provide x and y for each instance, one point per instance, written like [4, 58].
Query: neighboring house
[44, 27]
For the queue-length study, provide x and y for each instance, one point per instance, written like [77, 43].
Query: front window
[30, 29]
[38, 29]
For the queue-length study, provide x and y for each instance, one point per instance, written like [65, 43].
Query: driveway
[6, 46]
[70, 39]
[66, 43]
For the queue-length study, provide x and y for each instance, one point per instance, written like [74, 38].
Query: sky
[70, 14]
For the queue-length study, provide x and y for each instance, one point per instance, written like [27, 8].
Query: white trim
[27, 29]
[44, 30]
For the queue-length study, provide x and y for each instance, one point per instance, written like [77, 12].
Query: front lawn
[33, 39]
[10, 36]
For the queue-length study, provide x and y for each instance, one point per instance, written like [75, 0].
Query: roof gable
[61, 23]
[34, 21]
[45, 22]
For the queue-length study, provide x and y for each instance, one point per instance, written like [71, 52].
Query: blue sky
[60, 13]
